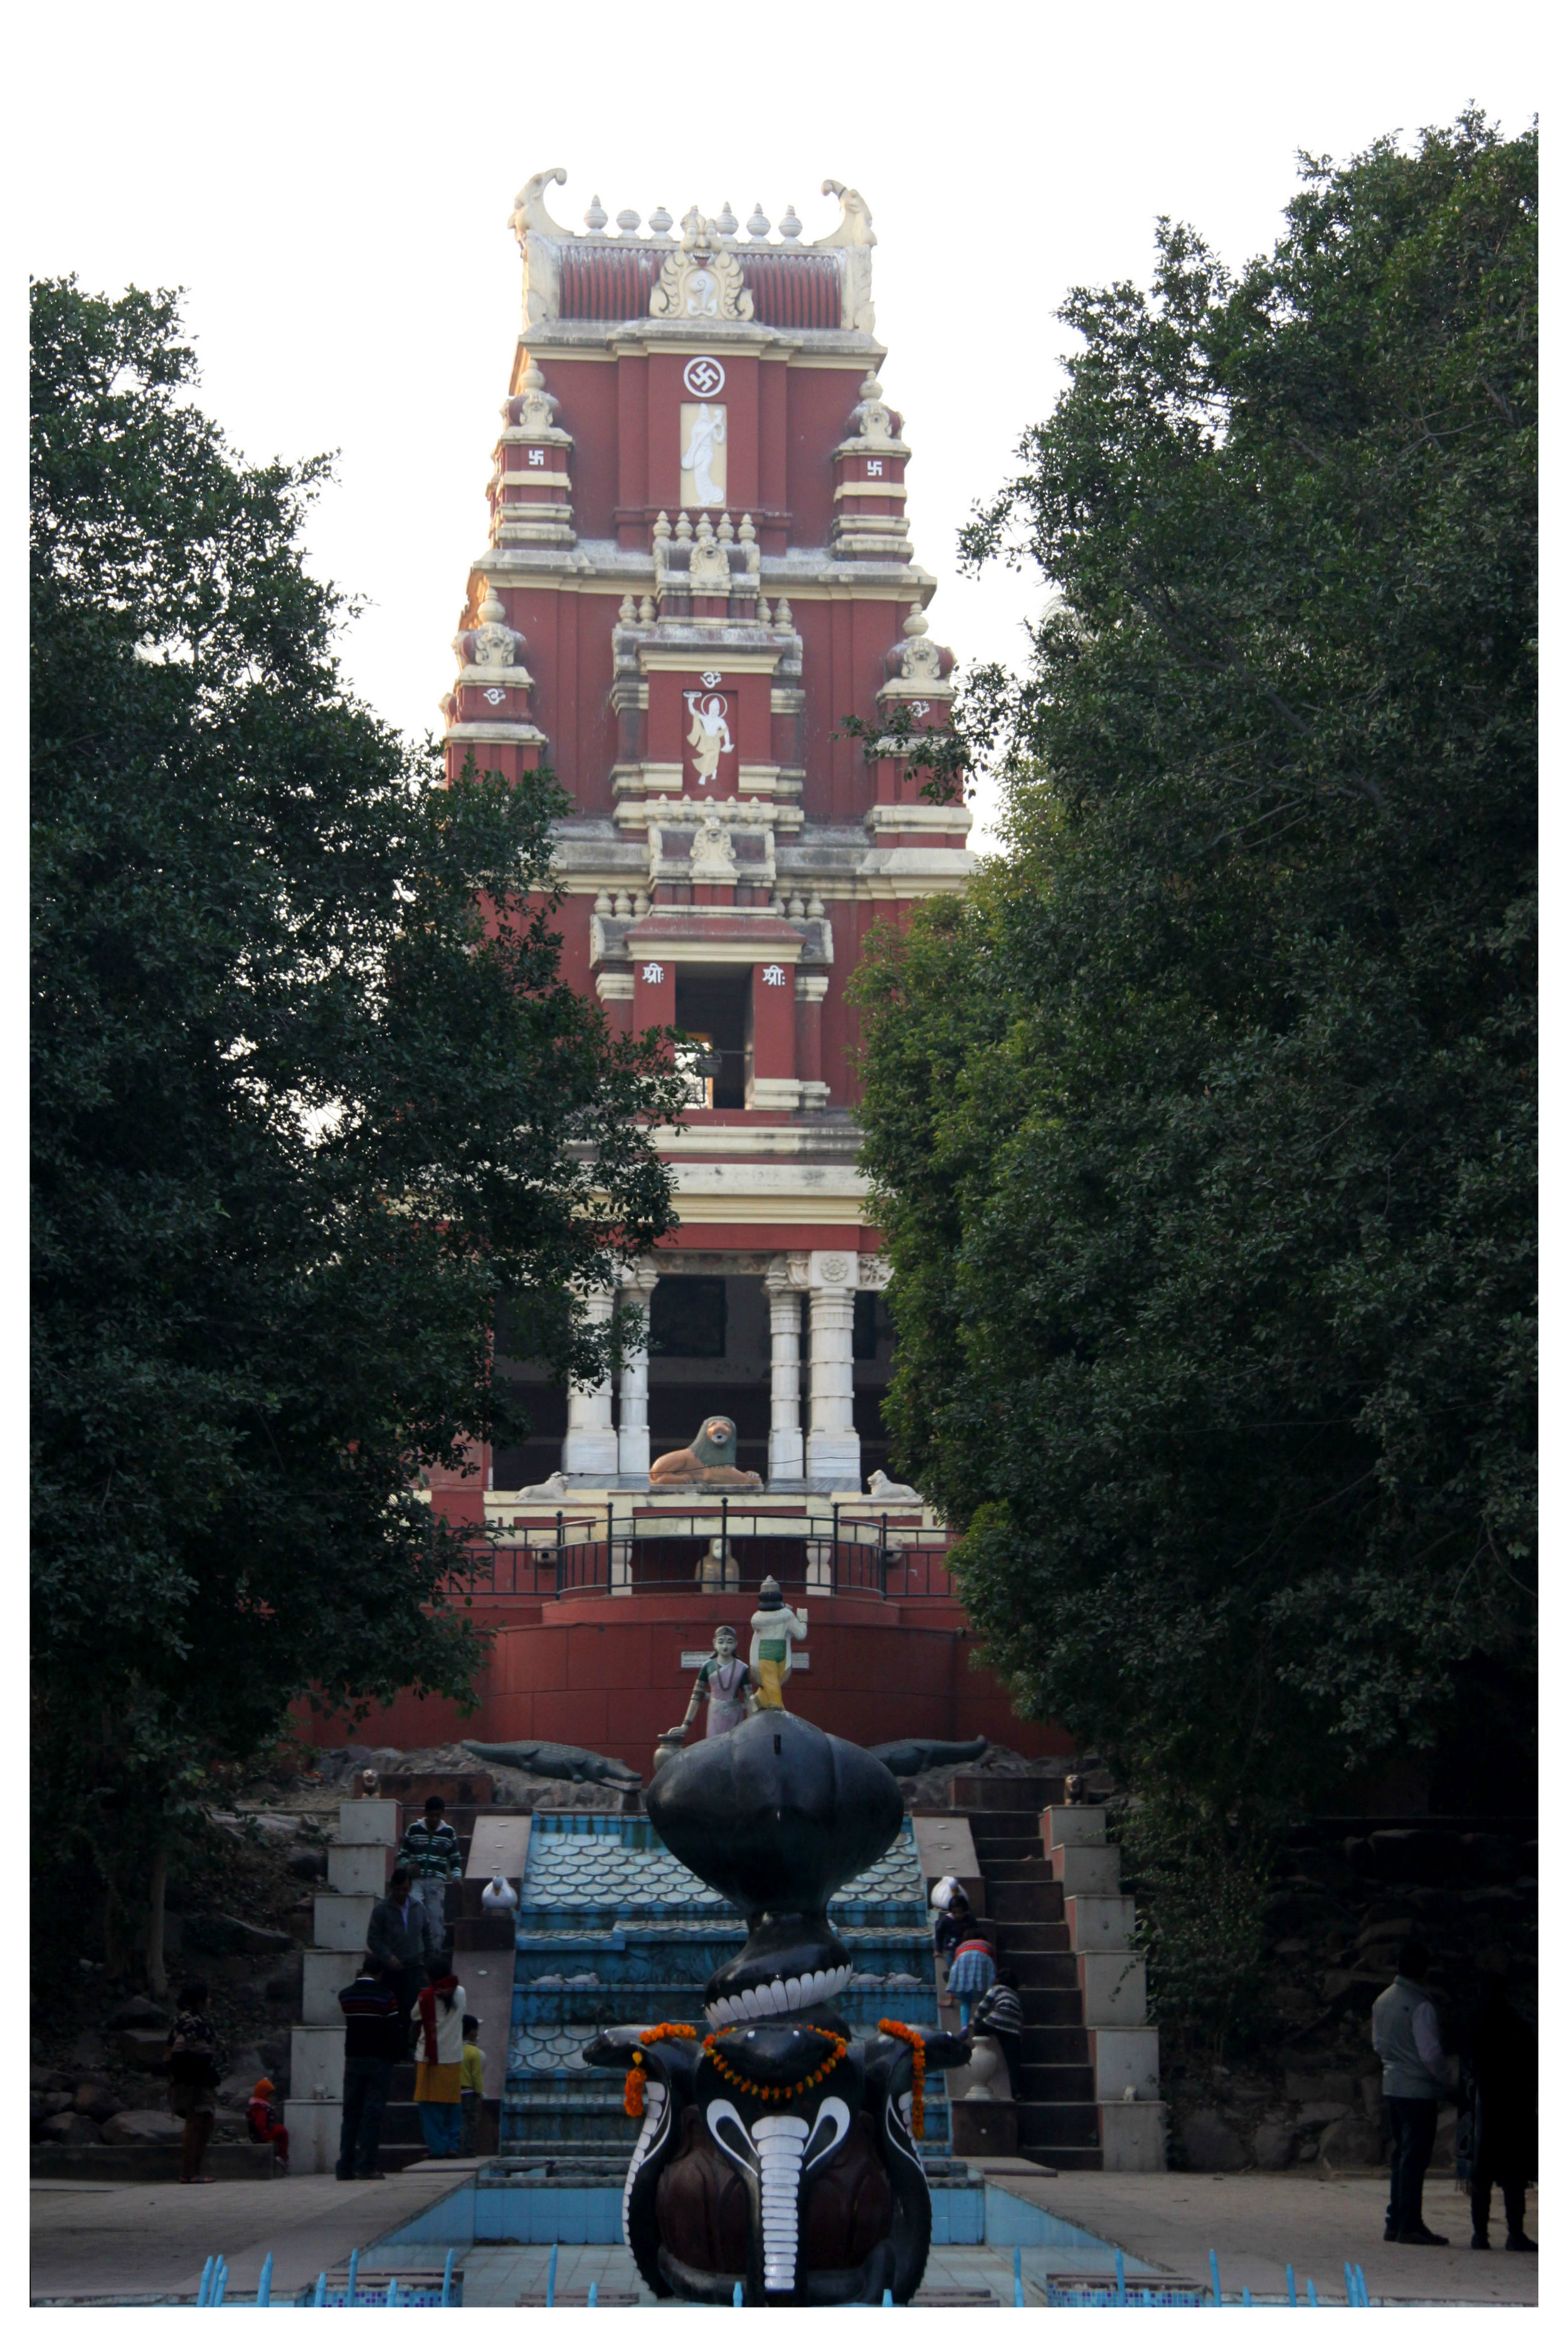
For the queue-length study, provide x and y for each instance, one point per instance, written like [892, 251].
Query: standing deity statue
[722, 1685]
[774, 1627]
[708, 433]
[709, 737]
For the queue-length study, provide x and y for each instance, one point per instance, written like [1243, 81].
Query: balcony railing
[714, 1546]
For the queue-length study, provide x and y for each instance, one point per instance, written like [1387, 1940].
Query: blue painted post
[201, 2293]
[353, 2275]
[1120, 2279]
[220, 2282]
[264, 2285]
[1017, 2252]
[1214, 2276]
[1246, 2296]
[320, 2296]
[447, 2276]
[737, 2299]
[592, 2292]
[392, 2290]
[1351, 2295]
[1361, 2285]
[550, 2277]
[1312, 2293]
[887, 2296]
[1290, 2284]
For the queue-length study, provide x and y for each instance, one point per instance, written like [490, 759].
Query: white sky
[331, 184]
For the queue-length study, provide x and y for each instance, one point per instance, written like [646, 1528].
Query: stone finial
[662, 524]
[871, 420]
[645, 606]
[491, 640]
[683, 529]
[764, 614]
[492, 607]
[758, 225]
[622, 904]
[710, 570]
[595, 219]
[628, 222]
[920, 660]
[660, 222]
[726, 223]
[639, 904]
[726, 532]
[783, 615]
[789, 225]
[814, 907]
[533, 407]
[627, 612]
[602, 905]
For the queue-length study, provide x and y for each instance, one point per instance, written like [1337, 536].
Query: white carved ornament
[702, 283]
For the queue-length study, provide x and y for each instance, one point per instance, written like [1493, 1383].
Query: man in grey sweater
[1415, 2077]
[399, 1936]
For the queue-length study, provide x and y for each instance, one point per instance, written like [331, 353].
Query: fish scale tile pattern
[611, 1928]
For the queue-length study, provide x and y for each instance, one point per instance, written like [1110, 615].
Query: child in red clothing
[266, 2126]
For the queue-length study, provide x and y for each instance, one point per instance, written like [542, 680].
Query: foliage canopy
[1202, 1132]
[305, 1110]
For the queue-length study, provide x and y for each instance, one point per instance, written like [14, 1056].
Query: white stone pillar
[590, 1450]
[832, 1448]
[786, 1449]
[636, 1296]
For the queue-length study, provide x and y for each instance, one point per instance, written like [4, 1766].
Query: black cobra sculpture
[776, 2151]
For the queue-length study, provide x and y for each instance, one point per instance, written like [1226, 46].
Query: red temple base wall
[605, 1674]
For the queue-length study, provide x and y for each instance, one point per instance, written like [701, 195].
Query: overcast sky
[331, 184]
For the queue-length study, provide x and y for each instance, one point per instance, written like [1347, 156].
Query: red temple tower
[699, 563]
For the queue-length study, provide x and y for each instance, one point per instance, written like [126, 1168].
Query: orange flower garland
[636, 2076]
[779, 2093]
[917, 2044]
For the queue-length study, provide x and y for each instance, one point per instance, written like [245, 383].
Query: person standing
[397, 1937]
[434, 1858]
[1502, 2058]
[472, 2084]
[191, 2058]
[439, 2052]
[375, 2038]
[1415, 2077]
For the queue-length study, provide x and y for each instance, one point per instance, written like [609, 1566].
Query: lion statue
[708, 1460]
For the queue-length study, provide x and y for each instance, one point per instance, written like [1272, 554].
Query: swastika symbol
[704, 376]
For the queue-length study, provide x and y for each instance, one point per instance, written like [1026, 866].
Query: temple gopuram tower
[699, 563]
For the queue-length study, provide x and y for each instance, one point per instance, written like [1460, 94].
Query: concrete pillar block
[1125, 2056]
[1096, 1870]
[1113, 1984]
[343, 1918]
[362, 1822]
[1071, 1826]
[1100, 1922]
[1133, 2137]
[355, 1867]
[327, 1969]
[316, 2062]
[314, 2129]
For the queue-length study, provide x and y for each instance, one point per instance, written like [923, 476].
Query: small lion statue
[708, 1460]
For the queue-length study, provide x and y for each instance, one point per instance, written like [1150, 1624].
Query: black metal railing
[715, 1545]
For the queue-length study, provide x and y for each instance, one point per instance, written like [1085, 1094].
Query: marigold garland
[636, 2076]
[838, 2049]
[917, 2044]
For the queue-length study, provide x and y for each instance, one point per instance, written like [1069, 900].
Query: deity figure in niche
[722, 1685]
[707, 433]
[774, 1627]
[709, 737]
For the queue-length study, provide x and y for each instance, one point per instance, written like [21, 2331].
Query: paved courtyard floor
[102, 2240]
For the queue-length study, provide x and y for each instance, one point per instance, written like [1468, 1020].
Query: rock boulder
[1209, 2146]
[142, 2126]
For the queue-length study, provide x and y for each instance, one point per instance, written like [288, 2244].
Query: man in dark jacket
[1415, 2077]
[398, 1935]
[1503, 2059]
[373, 2042]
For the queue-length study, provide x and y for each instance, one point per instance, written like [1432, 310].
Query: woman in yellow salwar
[439, 2052]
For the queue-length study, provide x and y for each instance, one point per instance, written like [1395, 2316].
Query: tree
[310, 1102]
[1203, 1131]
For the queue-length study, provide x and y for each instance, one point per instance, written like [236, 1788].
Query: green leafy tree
[310, 1102]
[1202, 1132]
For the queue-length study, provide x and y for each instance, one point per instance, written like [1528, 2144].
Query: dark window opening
[716, 1009]
[687, 1317]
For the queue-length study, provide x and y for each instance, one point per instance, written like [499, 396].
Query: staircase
[1050, 1893]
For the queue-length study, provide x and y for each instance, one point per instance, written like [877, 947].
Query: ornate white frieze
[701, 283]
